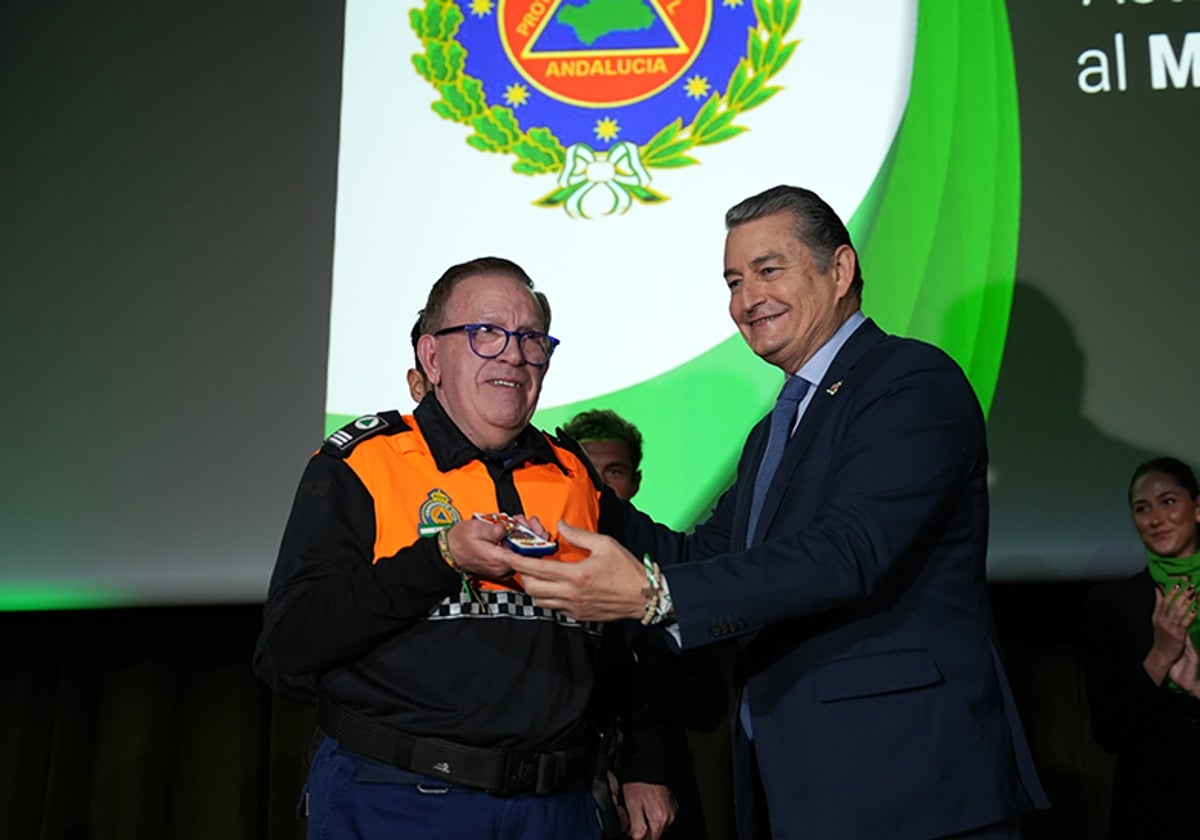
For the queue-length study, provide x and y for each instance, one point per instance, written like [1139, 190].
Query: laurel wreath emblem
[623, 171]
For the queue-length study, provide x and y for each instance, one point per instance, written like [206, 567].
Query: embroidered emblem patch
[437, 513]
[601, 93]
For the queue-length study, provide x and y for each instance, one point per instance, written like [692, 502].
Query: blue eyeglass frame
[471, 329]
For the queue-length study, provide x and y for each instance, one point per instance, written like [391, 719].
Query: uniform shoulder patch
[343, 441]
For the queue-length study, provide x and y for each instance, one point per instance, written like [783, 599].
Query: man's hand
[605, 586]
[651, 809]
[614, 792]
[476, 548]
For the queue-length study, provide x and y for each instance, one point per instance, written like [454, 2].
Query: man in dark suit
[873, 702]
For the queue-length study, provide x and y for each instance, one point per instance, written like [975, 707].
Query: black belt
[503, 772]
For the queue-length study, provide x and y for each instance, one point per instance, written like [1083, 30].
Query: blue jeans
[352, 797]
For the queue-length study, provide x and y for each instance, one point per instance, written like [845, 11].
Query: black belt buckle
[540, 774]
[550, 772]
[520, 775]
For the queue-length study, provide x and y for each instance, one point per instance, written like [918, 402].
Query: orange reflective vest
[413, 498]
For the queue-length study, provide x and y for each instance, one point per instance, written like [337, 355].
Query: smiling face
[1164, 514]
[490, 400]
[783, 303]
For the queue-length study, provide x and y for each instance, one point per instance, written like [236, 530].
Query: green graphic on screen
[936, 228]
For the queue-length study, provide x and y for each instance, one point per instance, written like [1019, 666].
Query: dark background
[1096, 375]
[167, 236]
[167, 241]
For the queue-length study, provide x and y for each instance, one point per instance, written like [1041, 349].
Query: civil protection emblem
[604, 95]
[437, 513]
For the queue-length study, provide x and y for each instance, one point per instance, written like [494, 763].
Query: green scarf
[1167, 571]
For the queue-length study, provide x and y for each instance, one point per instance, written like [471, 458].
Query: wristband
[651, 609]
[469, 591]
[652, 591]
[664, 609]
[443, 544]
[652, 573]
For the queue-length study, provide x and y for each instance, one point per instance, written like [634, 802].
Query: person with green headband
[1142, 668]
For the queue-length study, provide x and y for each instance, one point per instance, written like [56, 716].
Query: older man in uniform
[451, 705]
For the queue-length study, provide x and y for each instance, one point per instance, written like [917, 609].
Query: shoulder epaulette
[343, 441]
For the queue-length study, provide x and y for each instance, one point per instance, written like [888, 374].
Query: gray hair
[817, 226]
[431, 316]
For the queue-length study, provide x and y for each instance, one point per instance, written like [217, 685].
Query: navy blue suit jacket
[878, 702]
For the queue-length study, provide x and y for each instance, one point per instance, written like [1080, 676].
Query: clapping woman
[1142, 682]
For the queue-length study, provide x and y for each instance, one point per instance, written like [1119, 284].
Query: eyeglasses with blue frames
[490, 340]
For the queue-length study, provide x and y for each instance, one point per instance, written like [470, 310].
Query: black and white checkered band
[504, 604]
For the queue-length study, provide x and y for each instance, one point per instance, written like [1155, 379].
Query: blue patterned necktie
[782, 418]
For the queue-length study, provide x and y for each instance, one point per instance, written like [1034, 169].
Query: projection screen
[222, 227]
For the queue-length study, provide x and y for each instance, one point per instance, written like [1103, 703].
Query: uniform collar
[451, 449]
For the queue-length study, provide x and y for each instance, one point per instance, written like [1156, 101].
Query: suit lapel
[839, 376]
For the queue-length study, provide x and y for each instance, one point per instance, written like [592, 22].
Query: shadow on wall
[1057, 482]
